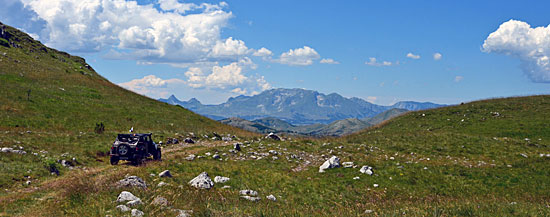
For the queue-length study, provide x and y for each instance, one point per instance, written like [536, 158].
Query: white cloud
[227, 77]
[458, 78]
[149, 85]
[530, 45]
[437, 56]
[413, 56]
[373, 62]
[263, 52]
[299, 56]
[167, 34]
[329, 61]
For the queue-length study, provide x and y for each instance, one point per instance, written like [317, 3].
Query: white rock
[248, 192]
[190, 157]
[160, 201]
[131, 181]
[137, 213]
[368, 211]
[207, 153]
[366, 170]
[202, 181]
[216, 156]
[126, 196]
[134, 202]
[524, 155]
[165, 173]
[226, 187]
[162, 184]
[251, 198]
[183, 213]
[356, 178]
[347, 164]
[123, 208]
[271, 197]
[330, 163]
[220, 179]
[273, 152]
[375, 185]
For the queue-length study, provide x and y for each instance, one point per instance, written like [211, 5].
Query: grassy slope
[454, 161]
[66, 100]
[425, 163]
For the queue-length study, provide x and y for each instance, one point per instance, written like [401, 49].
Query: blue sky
[212, 50]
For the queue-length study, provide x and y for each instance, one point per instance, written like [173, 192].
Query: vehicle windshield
[127, 138]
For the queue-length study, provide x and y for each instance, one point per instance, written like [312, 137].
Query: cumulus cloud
[530, 45]
[373, 62]
[458, 78]
[263, 52]
[227, 77]
[329, 61]
[149, 85]
[413, 56]
[437, 56]
[299, 56]
[164, 34]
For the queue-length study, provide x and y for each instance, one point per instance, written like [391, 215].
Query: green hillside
[484, 158]
[51, 101]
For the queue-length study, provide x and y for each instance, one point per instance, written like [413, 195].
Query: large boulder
[333, 162]
[126, 196]
[131, 181]
[165, 173]
[137, 213]
[273, 136]
[202, 181]
[366, 170]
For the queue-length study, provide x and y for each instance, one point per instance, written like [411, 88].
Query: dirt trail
[96, 173]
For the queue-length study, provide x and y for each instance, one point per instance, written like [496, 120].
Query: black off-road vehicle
[135, 148]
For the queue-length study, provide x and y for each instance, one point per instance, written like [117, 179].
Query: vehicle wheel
[114, 160]
[158, 155]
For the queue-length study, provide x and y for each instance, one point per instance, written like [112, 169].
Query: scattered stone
[137, 213]
[183, 213]
[248, 192]
[333, 162]
[207, 153]
[274, 157]
[28, 182]
[356, 178]
[216, 156]
[368, 211]
[160, 201]
[126, 196]
[273, 152]
[524, 155]
[220, 179]
[165, 173]
[347, 164]
[366, 170]
[189, 140]
[152, 175]
[131, 181]
[375, 185]
[162, 184]
[190, 157]
[227, 139]
[123, 208]
[254, 199]
[273, 136]
[202, 181]
[226, 187]
[271, 197]
[134, 203]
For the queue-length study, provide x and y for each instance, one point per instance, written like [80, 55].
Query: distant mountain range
[336, 128]
[295, 106]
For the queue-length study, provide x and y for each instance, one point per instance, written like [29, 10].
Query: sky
[381, 51]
